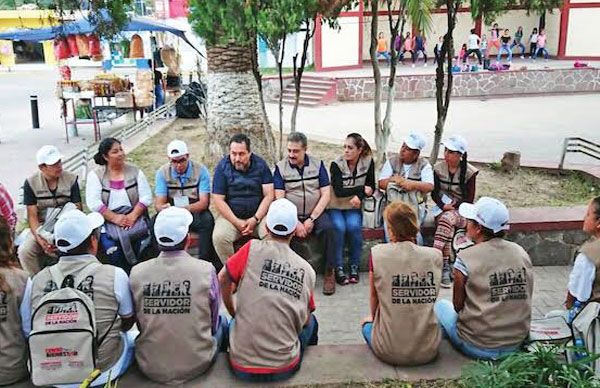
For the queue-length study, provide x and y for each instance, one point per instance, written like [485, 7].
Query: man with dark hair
[179, 338]
[185, 183]
[242, 193]
[76, 237]
[272, 312]
[49, 188]
[303, 180]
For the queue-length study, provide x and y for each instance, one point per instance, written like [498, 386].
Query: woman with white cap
[13, 349]
[454, 183]
[121, 193]
[490, 312]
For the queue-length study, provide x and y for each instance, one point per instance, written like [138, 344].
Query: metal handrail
[579, 145]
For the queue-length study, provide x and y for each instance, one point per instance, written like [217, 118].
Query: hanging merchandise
[65, 73]
[95, 48]
[72, 42]
[172, 60]
[61, 49]
[83, 46]
[136, 49]
[144, 88]
[124, 48]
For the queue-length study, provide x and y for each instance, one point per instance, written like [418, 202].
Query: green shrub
[542, 367]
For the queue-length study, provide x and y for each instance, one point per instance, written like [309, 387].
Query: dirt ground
[525, 188]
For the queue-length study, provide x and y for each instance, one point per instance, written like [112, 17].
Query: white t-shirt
[581, 279]
[473, 42]
[426, 173]
[117, 198]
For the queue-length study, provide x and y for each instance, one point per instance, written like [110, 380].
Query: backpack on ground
[63, 343]
[411, 198]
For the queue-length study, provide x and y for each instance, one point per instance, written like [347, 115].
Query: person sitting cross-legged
[178, 340]
[272, 312]
[490, 312]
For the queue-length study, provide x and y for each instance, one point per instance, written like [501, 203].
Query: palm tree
[234, 100]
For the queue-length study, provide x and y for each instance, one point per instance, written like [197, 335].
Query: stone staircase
[315, 91]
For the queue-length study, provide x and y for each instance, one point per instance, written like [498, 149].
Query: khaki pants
[225, 234]
[32, 257]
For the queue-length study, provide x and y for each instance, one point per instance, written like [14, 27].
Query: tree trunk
[391, 92]
[380, 141]
[299, 71]
[279, 54]
[443, 92]
[235, 101]
[542, 23]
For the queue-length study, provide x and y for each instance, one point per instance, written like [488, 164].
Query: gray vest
[46, 198]
[131, 183]
[303, 190]
[174, 187]
[349, 180]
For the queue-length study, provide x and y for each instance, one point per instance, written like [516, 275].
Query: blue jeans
[222, 334]
[384, 54]
[308, 336]
[541, 49]
[367, 332]
[347, 225]
[159, 94]
[447, 318]
[521, 46]
[504, 47]
[114, 252]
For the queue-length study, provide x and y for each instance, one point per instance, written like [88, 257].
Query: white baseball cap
[177, 148]
[456, 143]
[488, 212]
[73, 227]
[282, 217]
[172, 225]
[415, 141]
[48, 154]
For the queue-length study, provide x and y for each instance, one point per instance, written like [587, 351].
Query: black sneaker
[354, 277]
[340, 276]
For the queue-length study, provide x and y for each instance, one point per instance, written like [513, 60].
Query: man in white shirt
[76, 238]
[473, 47]
[409, 173]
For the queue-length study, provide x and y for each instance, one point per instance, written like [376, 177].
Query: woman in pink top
[541, 45]
[408, 46]
[495, 37]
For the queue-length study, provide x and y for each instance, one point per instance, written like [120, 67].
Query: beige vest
[349, 180]
[448, 186]
[407, 281]
[591, 250]
[272, 306]
[497, 310]
[303, 190]
[174, 188]
[45, 198]
[131, 184]
[171, 295]
[414, 173]
[13, 350]
[100, 287]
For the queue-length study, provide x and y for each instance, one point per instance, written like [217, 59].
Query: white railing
[580, 145]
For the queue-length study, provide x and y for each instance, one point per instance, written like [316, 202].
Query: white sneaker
[522, 56]
[413, 65]
[425, 65]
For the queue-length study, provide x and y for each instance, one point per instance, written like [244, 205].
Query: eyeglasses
[179, 161]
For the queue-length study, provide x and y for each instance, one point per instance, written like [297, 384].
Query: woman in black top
[352, 179]
[506, 40]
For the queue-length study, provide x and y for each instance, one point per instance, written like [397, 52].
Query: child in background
[408, 46]
[533, 38]
[495, 37]
[382, 50]
[541, 45]
[462, 52]
[518, 41]
[483, 46]
[437, 50]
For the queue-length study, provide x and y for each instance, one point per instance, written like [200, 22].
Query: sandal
[354, 277]
[340, 276]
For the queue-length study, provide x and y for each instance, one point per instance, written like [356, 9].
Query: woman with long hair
[121, 193]
[13, 349]
[454, 183]
[402, 328]
[352, 179]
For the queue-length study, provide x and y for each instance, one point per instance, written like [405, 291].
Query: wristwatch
[256, 218]
[311, 218]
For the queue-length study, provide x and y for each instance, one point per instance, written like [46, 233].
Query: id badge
[182, 201]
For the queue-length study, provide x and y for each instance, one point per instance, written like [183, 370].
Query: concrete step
[309, 103]
[303, 96]
[304, 92]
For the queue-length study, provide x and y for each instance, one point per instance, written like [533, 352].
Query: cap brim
[451, 147]
[53, 160]
[95, 219]
[412, 146]
[469, 211]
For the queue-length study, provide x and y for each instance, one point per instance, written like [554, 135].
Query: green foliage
[540, 6]
[543, 367]
[275, 19]
[490, 9]
[220, 21]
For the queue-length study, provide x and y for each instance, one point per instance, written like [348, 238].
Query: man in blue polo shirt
[242, 193]
[304, 180]
[186, 184]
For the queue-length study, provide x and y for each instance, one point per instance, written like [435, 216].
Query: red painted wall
[178, 8]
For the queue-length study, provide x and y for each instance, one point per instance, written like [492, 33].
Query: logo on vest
[61, 314]
[60, 352]
[508, 285]
[167, 297]
[282, 277]
[413, 288]
[3, 306]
